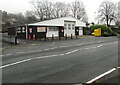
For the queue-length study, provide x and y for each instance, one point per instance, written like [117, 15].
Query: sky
[16, 6]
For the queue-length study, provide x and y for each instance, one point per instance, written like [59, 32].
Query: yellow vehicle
[97, 32]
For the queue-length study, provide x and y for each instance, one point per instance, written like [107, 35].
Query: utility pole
[94, 16]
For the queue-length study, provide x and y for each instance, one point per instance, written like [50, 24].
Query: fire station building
[59, 27]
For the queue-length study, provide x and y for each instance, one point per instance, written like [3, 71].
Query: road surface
[70, 61]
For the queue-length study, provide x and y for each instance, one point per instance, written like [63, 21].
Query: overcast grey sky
[16, 6]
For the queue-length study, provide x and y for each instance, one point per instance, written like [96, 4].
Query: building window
[65, 26]
[69, 26]
[53, 28]
[73, 26]
[80, 28]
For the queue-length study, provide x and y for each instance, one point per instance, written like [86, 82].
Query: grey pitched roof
[58, 22]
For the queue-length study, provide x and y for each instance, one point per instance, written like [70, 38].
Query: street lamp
[94, 16]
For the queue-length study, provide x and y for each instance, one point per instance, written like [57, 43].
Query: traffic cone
[33, 37]
[29, 37]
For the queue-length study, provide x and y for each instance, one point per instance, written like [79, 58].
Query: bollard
[16, 40]
[52, 37]
[66, 36]
[59, 38]
[76, 36]
[45, 39]
[71, 36]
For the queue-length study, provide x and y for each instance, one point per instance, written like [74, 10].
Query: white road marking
[68, 53]
[90, 43]
[5, 55]
[45, 57]
[22, 61]
[50, 48]
[115, 42]
[109, 43]
[78, 84]
[87, 48]
[46, 49]
[102, 75]
[94, 47]
[72, 51]
[79, 44]
[100, 41]
[15, 63]
[2, 55]
[75, 50]
[8, 54]
[33, 51]
[61, 54]
[99, 46]
[54, 48]
[65, 46]
[20, 52]
[90, 48]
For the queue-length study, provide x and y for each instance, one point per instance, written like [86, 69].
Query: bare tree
[61, 9]
[107, 12]
[117, 14]
[78, 11]
[46, 10]
[43, 9]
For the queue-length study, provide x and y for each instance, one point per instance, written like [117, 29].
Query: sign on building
[19, 30]
[23, 29]
[41, 29]
[30, 30]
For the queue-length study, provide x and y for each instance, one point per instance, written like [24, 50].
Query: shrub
[104, 29]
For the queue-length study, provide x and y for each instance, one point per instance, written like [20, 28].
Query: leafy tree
[104, 29]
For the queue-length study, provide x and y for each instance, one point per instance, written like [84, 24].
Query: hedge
[104, 29]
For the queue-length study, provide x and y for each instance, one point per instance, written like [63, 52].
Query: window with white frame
[69, 26]
[73, 26]
[65, 26]
[53, 28]
[80, 28]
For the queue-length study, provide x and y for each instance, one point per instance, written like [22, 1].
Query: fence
[10, 39]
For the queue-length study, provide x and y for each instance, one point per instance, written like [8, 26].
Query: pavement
[65, 61]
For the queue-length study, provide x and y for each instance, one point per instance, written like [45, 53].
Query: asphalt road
[71, 61]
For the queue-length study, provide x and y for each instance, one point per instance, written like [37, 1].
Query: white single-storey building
[59, 27]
